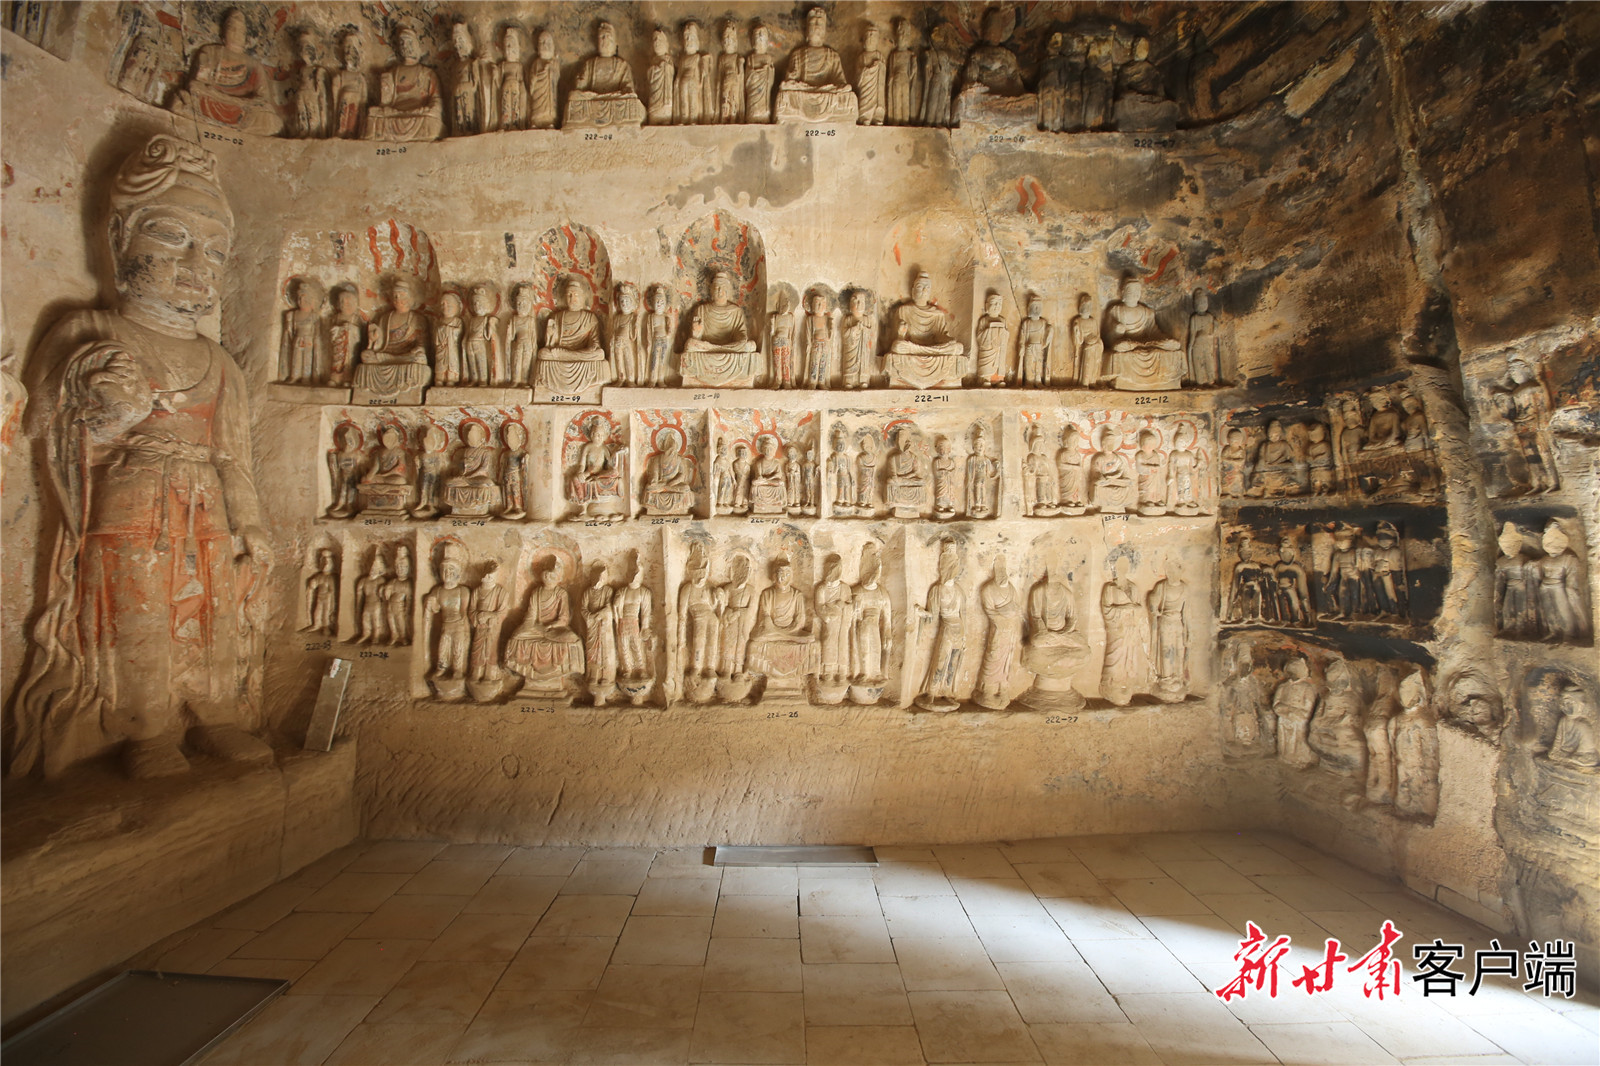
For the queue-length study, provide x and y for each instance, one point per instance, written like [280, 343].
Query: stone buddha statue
[924, 353]
[668, 477]
[544, 650]
[720, 351]
[475, 491]
[1141, 357]
[814, 88]
[781, 643]
[1111, 480]
[386, 486]
[1278, 469]
[1053, 649]
[596, 483]
[394, 365]
[908, 482]
[604, 94]
[229, 87]
[572, 360]
[768, 491]
[410, 104]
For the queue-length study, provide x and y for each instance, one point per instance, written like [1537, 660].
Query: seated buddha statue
[768, 493]
[720, 351]
[781, 643]
[1278, 469]
[604, 94]
[572, 360]
[596, 483]
[475, 491]
[410, 103]
[1111, 481]
[1053, 648]
[668, 477]
[1141, 357]
[394, 365]
[814, 88]
[386, 486]
[544, 650]
[924, 353]
[229, 86]
[908, 482]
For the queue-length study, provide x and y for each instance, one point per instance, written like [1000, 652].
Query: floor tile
[749, 1027]
[752, 964]
[642, 853]
[540, 862]
[203, 950]
[971, 1027]
[524, 1026]
[481, 938]
[512, 894]
[1093, 1044]
[844, 898]
[912, 879]
[1106, 862]
[265, 907]
[585, 916]
[418, 917]
[1307, 892]
[926, 916]
[1021, 938]
[293, 1031]
[599, 877]
[277, 969]
[360, 968]
[1063, 991]
[1193, 1027]
[996, 896]
[945, 964]
[1418, 1028]
[1162, 848]
[1196, 939]
[747, 916]
[663, 940]
[1543, 1037]
[1341, 874]
[319, 872]
[1314, 1043]
[685, 862]
[462, 877]
[1094, 918]
[496, 853]
[1209, 877]
[1291, 1006]
[558, 963]
[845, 940]
[902, 853]
[354, 892]
[1037, 851]
[1067, 878]
[1253, 860]
[1273, 916]
[439, 993]
[973, 861]
[855, 994]
[395, 1041]
[683, 896]
[301, 935]
[661, 997]
[631, 1046]
[1136, 966]
[396, 857]
[863, 1045]
[1154, 896]
[760, 881]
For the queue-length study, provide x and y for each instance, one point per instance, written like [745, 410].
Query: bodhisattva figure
[604, 94]
[793, 480]
[658, 337]
[1033, 347]
[1278, 470]
[924, 352]
[600, 637]
[1387, 562]
[448, 330]
[487, 612]
[1320, 465]
[1002, 606]
[410, 106]
[983, 476]
[372, 620]
[1126, 668]
[1375, 731]
[1112, 489]
[759, 75]
[700, 607]
[1141, 356]
[811, 483]
[572, 361]
[322, 595]
[514, 471]
[1524, 402]
[1089, 351]
[447, 625]
[394, 365]
[741, 478]
[397, 594]
[1294, 701]
[730, 76]
[1516, 585]
[1562, 609]
[1041, 490]
[544, 650]
[522, 335]
[151, 612]
[991, 340]
[598, 477]
[1150, 472]
[627, 342]
[696, 82]
[513, 100]
[870, 82]
[782, 645]
[767, 493]
[474, 86]
[858, 343]
[781, 330]
[659, 78]
[722, 479]
[1072, 471]
[867, 474]
[834, 613]
[1170, 662]
[386, 486]
[229, 87]
[1414, 424]
[344, 335]
[668, 476]
[946, 613]
[482, 358]
[872, 631]
[946, 479]
[302, 355]
[814, 88]
[841, 474]
[1187, 472]
[1291, 605]
[1414, 739]
[1336, 727]
[908, 483]
[310, 89]
[819, 343]
[432, 466]
[635, 610]
[350, 89]
[1350, 438]
[1235, 456]
[1204, 363]
[475, 490]
[544, 77]
[720, 351]
[940, 67]
[738, 601]
[1248, 725]
[1576, 730]
[1248, 589]
[905, 81]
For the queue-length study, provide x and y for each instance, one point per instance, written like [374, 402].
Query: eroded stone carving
[1524, 402]
[635, 619]
[991, 344]
[629, 361]
[410, 104]
[1054, 647]
[302, 355]
[1414, 740]
[1142, 102]
[720, 351]
[1142, 356]
[1296, 699]
[394, 366]
[448, 330]
[872, 630]
[482, 357]
[871, 86]
[1035, 363]
[310, 88]
[945, 614]
[983, 475]
[397, 595]
[1126, 667]
[514, 471]
[346, 331]
[814, 88]
[1002, 606]
[513, 99]
[694, 92]
[390, 471]
[924, 353]
[659, 78]
[834, 611]
[604, 94]
[819, 338]
[447, 624]
[544, 80]
[904, 103]
[349, 90]
[372, 617]
[474, 86]
[544, 650]
[474, 492]
[668, 484]
[600, 637]
[1577, 727]
[229, 87]
[487, 614]
[1170, 636]
[432, 467]
[700, 607]
[572, 360]
[322, 594]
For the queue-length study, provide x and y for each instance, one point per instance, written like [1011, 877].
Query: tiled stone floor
[1076, 950]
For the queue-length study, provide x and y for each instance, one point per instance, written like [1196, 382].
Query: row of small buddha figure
[1365, 448]
[404, 349]
[383, 596]
[475, 476]
[1375, 731]
[1104, 477]
[1352, 576]
[1080, 84]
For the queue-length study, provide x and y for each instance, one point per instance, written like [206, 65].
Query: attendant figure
[741, 478]
[794, 493]
[1293, 703]
[690, 89]
[1516, 583]
[397, 595]
[1414, 739]
[1169, 663]
[513, 101]
[1126, 665]
[819, 343]
[302, 355]
[544, 75]
[446, 613]
[1088, 349]
[759, 75]
[1033, 346]
[487, 609]
[432, 466]
[311, 89]
[946, 481]
[903, 107]
[349, 89]
[514, 471]
[858, 343]
[481, 354]
[1524, 402]
[1561, 600]
[782, 331]
[345, 462]
[447, 334]
[940, 66]
[1041, 489]
[867, 475]
[322, 595]
[1187, 473]
[600, 632]
[658, 338]
[522, 335]
[627, 343]
[344, 335]
[946, 612]
[983, 476]
[372, 624]
[1002, 606]
[992, 340]
[722, 480]
[834, 611]
[1054, 71]
[467, 91]
[738, 610]
[872, 630]
[870, 82]
[1150, 468]
[635, 613]
[841, 474]
[1375, 724]
[660, 76]
[700, 608]
[730, 76]
[1203, 359]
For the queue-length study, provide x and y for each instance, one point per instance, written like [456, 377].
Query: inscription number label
[1060, 719]
[1141, 401]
